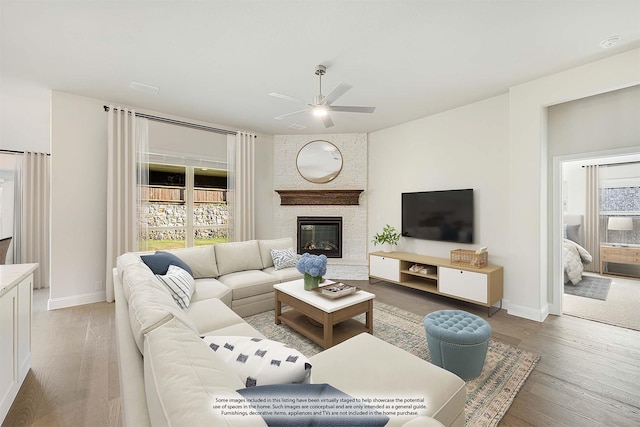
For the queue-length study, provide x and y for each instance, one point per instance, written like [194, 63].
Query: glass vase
[311, 282]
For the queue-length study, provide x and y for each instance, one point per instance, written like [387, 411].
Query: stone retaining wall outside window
[161, 218]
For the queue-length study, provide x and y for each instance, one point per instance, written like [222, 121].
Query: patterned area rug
[589, 287]
[488, 397]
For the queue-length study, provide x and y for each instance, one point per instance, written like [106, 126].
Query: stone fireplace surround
[354, 262]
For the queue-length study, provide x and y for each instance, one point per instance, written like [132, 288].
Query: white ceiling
[217, 61]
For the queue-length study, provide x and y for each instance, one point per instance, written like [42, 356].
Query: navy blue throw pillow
[287, 407]
[160, 261]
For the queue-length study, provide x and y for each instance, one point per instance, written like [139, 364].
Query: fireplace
[320, 235]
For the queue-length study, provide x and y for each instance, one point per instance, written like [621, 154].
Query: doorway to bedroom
[602, 284]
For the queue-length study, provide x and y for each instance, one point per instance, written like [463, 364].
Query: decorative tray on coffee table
[335, 290]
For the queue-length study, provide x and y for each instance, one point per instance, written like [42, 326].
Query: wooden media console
[483, 286]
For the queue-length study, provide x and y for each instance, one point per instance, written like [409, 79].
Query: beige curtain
[127, 140]
[33, 244]
[592, 218]
[240, 183]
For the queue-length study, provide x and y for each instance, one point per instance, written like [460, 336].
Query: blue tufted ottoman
[458, 341]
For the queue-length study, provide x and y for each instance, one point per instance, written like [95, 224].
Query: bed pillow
[160, 261]
[332, 414]
[284, 258]
[259, 361]
[180, 284]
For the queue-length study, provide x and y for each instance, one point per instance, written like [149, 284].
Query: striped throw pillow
[180, 284]
[284, 258]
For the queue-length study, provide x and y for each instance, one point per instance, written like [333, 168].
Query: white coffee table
[327, 312]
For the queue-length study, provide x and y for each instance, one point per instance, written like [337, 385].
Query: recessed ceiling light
[609, 42]
[143, 87]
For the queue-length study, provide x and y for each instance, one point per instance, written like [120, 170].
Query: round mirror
[319, 161]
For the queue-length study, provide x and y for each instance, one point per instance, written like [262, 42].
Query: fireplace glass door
[320, 235]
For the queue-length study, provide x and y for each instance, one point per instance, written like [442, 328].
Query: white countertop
[12, 274]
[295, 288]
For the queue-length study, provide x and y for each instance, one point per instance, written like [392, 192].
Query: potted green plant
[388, 238]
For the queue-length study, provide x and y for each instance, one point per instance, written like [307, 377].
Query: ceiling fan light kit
[320, 111]
[322, 105]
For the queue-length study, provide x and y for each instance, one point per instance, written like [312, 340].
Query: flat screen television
[445, 216]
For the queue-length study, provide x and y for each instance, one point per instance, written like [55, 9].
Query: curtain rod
[616, 164]
[181, 123]
[2, 150]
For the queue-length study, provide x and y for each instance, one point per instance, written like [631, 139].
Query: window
[183, 206]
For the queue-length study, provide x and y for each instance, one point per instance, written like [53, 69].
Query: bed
[574, 255]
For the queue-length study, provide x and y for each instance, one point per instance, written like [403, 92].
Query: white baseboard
[526, 312]
[72, 301]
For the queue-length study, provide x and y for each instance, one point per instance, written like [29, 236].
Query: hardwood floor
[73, 379]
[589, 374]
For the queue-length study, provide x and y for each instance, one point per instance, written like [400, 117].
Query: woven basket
[470, 258]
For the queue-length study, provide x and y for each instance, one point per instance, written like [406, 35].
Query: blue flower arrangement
[313, 265]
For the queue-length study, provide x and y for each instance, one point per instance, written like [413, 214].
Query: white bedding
[574, 257]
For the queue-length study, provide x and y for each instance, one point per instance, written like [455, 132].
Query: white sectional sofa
[241, 274]
[170, 377]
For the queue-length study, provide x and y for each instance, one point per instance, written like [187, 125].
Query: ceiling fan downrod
[320, 70]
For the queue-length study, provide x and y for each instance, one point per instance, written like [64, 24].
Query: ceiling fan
[322, 105]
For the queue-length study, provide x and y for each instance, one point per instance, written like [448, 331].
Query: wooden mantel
[319, 197]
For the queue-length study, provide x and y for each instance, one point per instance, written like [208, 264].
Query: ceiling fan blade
[336, 93]
[327, 121]
[286, 97]
[291, 114]
[352, 109]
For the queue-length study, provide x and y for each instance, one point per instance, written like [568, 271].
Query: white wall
[24, 116]
[529, 219]
[498, 146]
[602, 122]
[467, 147]
[624, 175]
[187, 142]
[78, 200]
[574, 188]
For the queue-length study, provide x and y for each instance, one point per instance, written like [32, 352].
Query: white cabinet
[23, 329]
[384, 268]
[16, 296]
[467, 285]
[8, 372]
